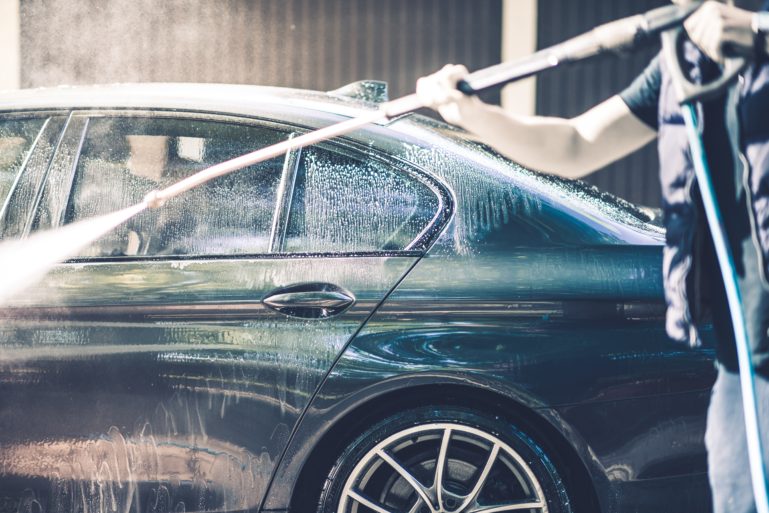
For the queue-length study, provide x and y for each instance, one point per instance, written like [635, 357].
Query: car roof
[220, 98]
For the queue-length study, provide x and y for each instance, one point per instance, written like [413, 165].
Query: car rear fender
[352, 400]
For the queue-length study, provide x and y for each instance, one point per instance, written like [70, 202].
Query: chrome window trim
[285, 196]
[245, 256]
[191, 115]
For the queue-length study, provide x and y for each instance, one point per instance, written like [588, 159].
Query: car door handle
[310, 300]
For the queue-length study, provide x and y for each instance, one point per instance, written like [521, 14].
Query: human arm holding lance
[575, 147]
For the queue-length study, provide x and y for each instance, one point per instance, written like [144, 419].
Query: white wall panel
[10, 60]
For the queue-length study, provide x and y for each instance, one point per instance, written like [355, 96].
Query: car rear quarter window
[124, 158]
[352, 202]
[17, 137]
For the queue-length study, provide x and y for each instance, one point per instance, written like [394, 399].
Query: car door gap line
[338, 357]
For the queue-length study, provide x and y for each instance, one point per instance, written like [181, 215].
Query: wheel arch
[578, 476]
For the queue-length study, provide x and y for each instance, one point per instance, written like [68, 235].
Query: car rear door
[166, 366]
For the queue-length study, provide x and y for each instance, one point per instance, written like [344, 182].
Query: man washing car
[736, 137]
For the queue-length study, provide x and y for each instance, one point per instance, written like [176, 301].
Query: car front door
[166, 367]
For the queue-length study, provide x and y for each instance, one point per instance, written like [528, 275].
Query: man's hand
[439, 91]
[721, 30]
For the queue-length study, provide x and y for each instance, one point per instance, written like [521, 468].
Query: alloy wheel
[441, 468]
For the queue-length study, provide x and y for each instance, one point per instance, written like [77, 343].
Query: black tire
[364, 478]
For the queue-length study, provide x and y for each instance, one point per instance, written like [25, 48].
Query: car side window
[17, 137]
[124, 158]
[349, 202]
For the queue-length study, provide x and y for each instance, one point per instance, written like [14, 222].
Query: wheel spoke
[417, 505]
[516, 506]
[439, 465]
[410, 479]
[367, 502]
[473, 495]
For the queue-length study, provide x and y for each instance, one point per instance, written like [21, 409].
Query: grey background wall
[320, 44]
[571, 91]
[317, 44]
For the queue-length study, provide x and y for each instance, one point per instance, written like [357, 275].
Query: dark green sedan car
[398, 321]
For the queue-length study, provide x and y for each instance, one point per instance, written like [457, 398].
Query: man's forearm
[571, 148]
[540, 143]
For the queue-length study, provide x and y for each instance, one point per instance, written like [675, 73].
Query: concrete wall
[10, 45]
[519, 39]
[572, 90]
[316, 44]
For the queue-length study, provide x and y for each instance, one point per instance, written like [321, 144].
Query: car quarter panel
[576, 336]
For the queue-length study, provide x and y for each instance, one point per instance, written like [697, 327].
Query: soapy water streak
[24, 262]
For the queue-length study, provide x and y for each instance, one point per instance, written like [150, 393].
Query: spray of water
[23, 262]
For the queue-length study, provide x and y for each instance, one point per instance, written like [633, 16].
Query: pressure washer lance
[617, 36]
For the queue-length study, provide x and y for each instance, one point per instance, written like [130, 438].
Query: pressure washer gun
[620, 36]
